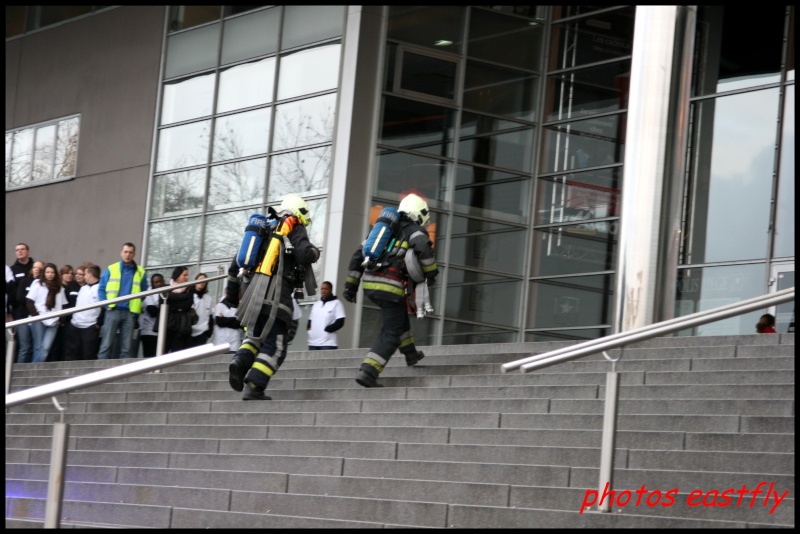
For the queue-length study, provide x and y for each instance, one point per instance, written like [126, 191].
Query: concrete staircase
[452, 442]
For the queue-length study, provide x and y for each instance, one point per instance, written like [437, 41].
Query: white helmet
[298, 207]
[415, 208]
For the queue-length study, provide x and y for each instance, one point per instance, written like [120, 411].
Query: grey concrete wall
[106, 68]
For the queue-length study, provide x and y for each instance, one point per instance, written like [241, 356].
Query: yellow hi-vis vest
[112, 286]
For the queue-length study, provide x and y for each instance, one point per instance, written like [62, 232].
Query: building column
[353, 154]
[654, 165]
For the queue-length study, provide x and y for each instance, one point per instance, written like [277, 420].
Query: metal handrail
[114, 373]
[612, 377]
[141, 295]
[11, 344]
[620, 339]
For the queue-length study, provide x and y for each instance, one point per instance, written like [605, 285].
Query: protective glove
[350, 291]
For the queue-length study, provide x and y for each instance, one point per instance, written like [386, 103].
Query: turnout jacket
[388, 281]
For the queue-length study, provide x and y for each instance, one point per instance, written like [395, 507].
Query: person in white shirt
[44, 296]
[83, 331]
[227, 328]
[203, 307]
[327, 316]
[151, 307]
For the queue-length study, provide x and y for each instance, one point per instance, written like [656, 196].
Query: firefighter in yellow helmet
[263, 351]
[386, 286]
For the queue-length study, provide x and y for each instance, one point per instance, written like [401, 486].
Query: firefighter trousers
[395, 334]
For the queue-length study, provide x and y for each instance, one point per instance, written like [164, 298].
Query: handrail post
[11, 349]
[162, 325]
[58, 464]
[609, 438]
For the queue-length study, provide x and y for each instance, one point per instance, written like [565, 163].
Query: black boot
[367, 379]
[414, 358]
[253, 392]
[236, 371]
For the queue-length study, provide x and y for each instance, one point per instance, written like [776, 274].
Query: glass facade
[248, 108]
[511, 122]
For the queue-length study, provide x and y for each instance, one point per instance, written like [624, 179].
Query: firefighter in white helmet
[262, 353]
[387, 287]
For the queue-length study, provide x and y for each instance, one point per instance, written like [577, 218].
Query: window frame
[54, 178]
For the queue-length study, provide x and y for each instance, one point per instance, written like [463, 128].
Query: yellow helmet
[298, 207]
[416, 209]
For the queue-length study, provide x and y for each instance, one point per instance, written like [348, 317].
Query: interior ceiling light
[442, 42]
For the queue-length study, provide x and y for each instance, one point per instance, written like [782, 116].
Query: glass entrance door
[782, 277]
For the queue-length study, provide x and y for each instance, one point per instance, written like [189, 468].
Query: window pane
[710, 287]
[305, 122]
[416, 24]
[501, 91]
[737, 47]
[44, 153]
[474, 245]
[251, 35]
[400, 173]
[237, 184]
[731, 177]
[513, 150]
[784, 217]
[309, 71]
[67, 147]
[496, 194]
[192, 51]
[246, 85]
[48, 15]
[241, 135]
[502, 39]
[456, 333]
[182, 17]
[175, 241]
[428, 75]
[21, 158]
[178, 193]
[306, 172]
[596, 38]
[188, 98]
[417, 126]
[308, 24]
[224, 234]
[574, 249]
[586, 143]
[578, 196]
[316, 232]
[570, 302]
[183, 146]
[15, 20]
[588, 91]
[486, 302]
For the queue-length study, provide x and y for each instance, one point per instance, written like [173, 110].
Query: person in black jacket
[25, 332]
[260, 356]
[387, 286]
[179, 313]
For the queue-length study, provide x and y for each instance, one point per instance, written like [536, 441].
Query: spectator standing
[327, 316]
[147, 320]
[20, 269]
[179, 313]
[71, 289]
[25, 332]
[83, 331]
[118, 280]
[227, 328]
[204, 307]
[45, 295]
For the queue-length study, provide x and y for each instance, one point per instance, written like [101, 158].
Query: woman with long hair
[203, 306]
[179, 313]
[45, 295]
